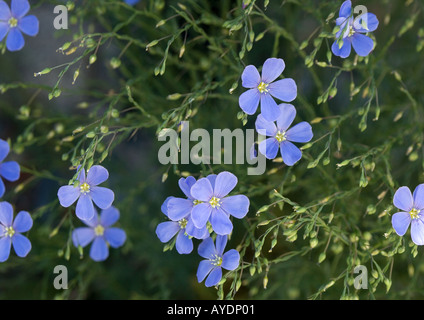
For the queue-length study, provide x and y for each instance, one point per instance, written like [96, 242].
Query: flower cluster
[9, 170]
[207, 208]
[86, 190]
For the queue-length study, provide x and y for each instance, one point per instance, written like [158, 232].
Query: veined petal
[417, 231]
[290, 153]
[344, 51]
[214, 277]
[249, 101]
[21, 244]
[6, 214]
[400, 222]
[23, 222]
[224, 184]
[183, 244]
[198, 233]
[97, 175]
[220, 243]
[19, 8]
[206, 248]
[287, 115]
[269, 108]
[164, 207]
[5, 13]
[68, 195]
[115, 236]
[82, 236]
[272, 69]
[15, 40]
[250, 77]
[403, 199]
[231, 260]
[10, 170]
[85, 208]
[212, 179]
[346, 9]
[4, 29]
[220, 222]
[302, 132]
[186, 184]
[418, 197]
[284, 90]
[29, 25]
[167, 230]
[5, 245]
[362, 44]
[202, 190]
[269, 148]
[200, 214]
[237, 206]
[264, 127]
[179, 208]
[102, 197]
[205, 267]
[4, 149]
[109, 216]
[99, 250]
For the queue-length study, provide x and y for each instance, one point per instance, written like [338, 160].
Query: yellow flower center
[214, 202]
[85, 188]
[9, 232]
[351, 31]
[99, 230]
[182, 223]
[13, 22]
[280, 136]
[414, 213]
[216, 260]
[262, 87]
[196, 202]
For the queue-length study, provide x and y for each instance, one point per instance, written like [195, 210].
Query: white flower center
[9, 232]
[99, 230]
[280, 136]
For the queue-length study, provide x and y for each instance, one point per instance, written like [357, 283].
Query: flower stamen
[214, 202]
[85, 188]
[216, 260]
[13, 22]
[99, 230]
[9, 232]
[262, 87]
[182, 223]
[414, 213]
[280, 136]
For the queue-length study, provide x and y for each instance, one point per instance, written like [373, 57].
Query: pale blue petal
[5, 13]
[115, 236]
[417, 231]
[272, 69]
[10, 170]
[249, 101]
[346, 9]
[214, 277]
[284, 90]
[250, 77]
[109, 216]
[29, 25]
[183, 244]
[198, 233]
[224, 184]
[264, 127]
[344, 51]
[99, 250]
[85, 209]
[200, 214]
[6, 214]
[212, 179]
[231, 260]
[220, 222]
[97, 175]
[205, 267]
[237, 206]
[164, 207]
[15, 40]
[167, 230]
[2, 188]
[371, 23]
[290, 153]
[418, 197]
[5, 244]
[4, 149]
[302, 132]
[68, 195]
[287, 115]
[179, 208]
[102, 197]
[21, 244]
[186, 184]
[19, 8]
[4, 29]
[82, 236]
[400, 222]
[362, 44]
[220, 243]
[23, 222]
[403, 199]
[206, 249]
[269, 108]
[202, 190]
[269, 148]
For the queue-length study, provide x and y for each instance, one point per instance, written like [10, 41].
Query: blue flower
[263, 89]
[131, 2]
[13, 23]
[9, 170]
[282, 137]
[216, 259]
[214, 205]
[352, 31]
[185, 229]
[10, 232]
[87, 191]
[412, 213]
[99, 232]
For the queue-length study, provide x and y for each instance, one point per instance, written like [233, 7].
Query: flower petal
[214, 277]
[23, 222]
[4, 12]
[5, 244]
[250, 77]
[167, 230]
[68, 195]
[220, 243]
[231, 260]
[237, 206]
[249, 101]
[2, 188]
[212, 179]
[99, 250]
[19, 8]
[10, 170]
[4, 29]
[115, 236]
[82, 236]
[224, 184]
[369, 20]
[183, 244]
[186, 184]
[29, 25]
[200, 214]
[287, 115]
[179, 208]
[4, 149]
[15, 40]
[418, 197]
[362, 44]
[417, 231]
[164, 207]
[269, 148]
[290, 153]
[109, 216]
[400, 222]
[85, 209]
[202, 190]
[102, 197]
[264, 127]
[344, 51]
[6, 214]
[198, 233]
[21, 244]
[272, 69]
[403, 199]
[220, 222]
[302, 132]
[205, 267]
[285, 89]
[269, 108]
[346, 9]
[206, 248]
[97, 175]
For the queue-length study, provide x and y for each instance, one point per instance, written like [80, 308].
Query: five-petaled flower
[412, 213]
[216, 259]
[14, 22]
[9, 170]
[263, 89]
[352, 31]
[10, 232]
[214, 205]
[100, 232]
[282, 137]
[87, 191]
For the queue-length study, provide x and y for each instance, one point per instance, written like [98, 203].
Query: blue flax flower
[10, 232]
[263, 89]
[14, 22]
[282, 137]
[214, 205]
[352, 31]
[87, 191]
[9, 170]
[167, 230]
[216, 259]
[412, 213]
[100, 232]
[131, 2]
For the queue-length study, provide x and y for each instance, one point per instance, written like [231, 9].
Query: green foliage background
[105, 88]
